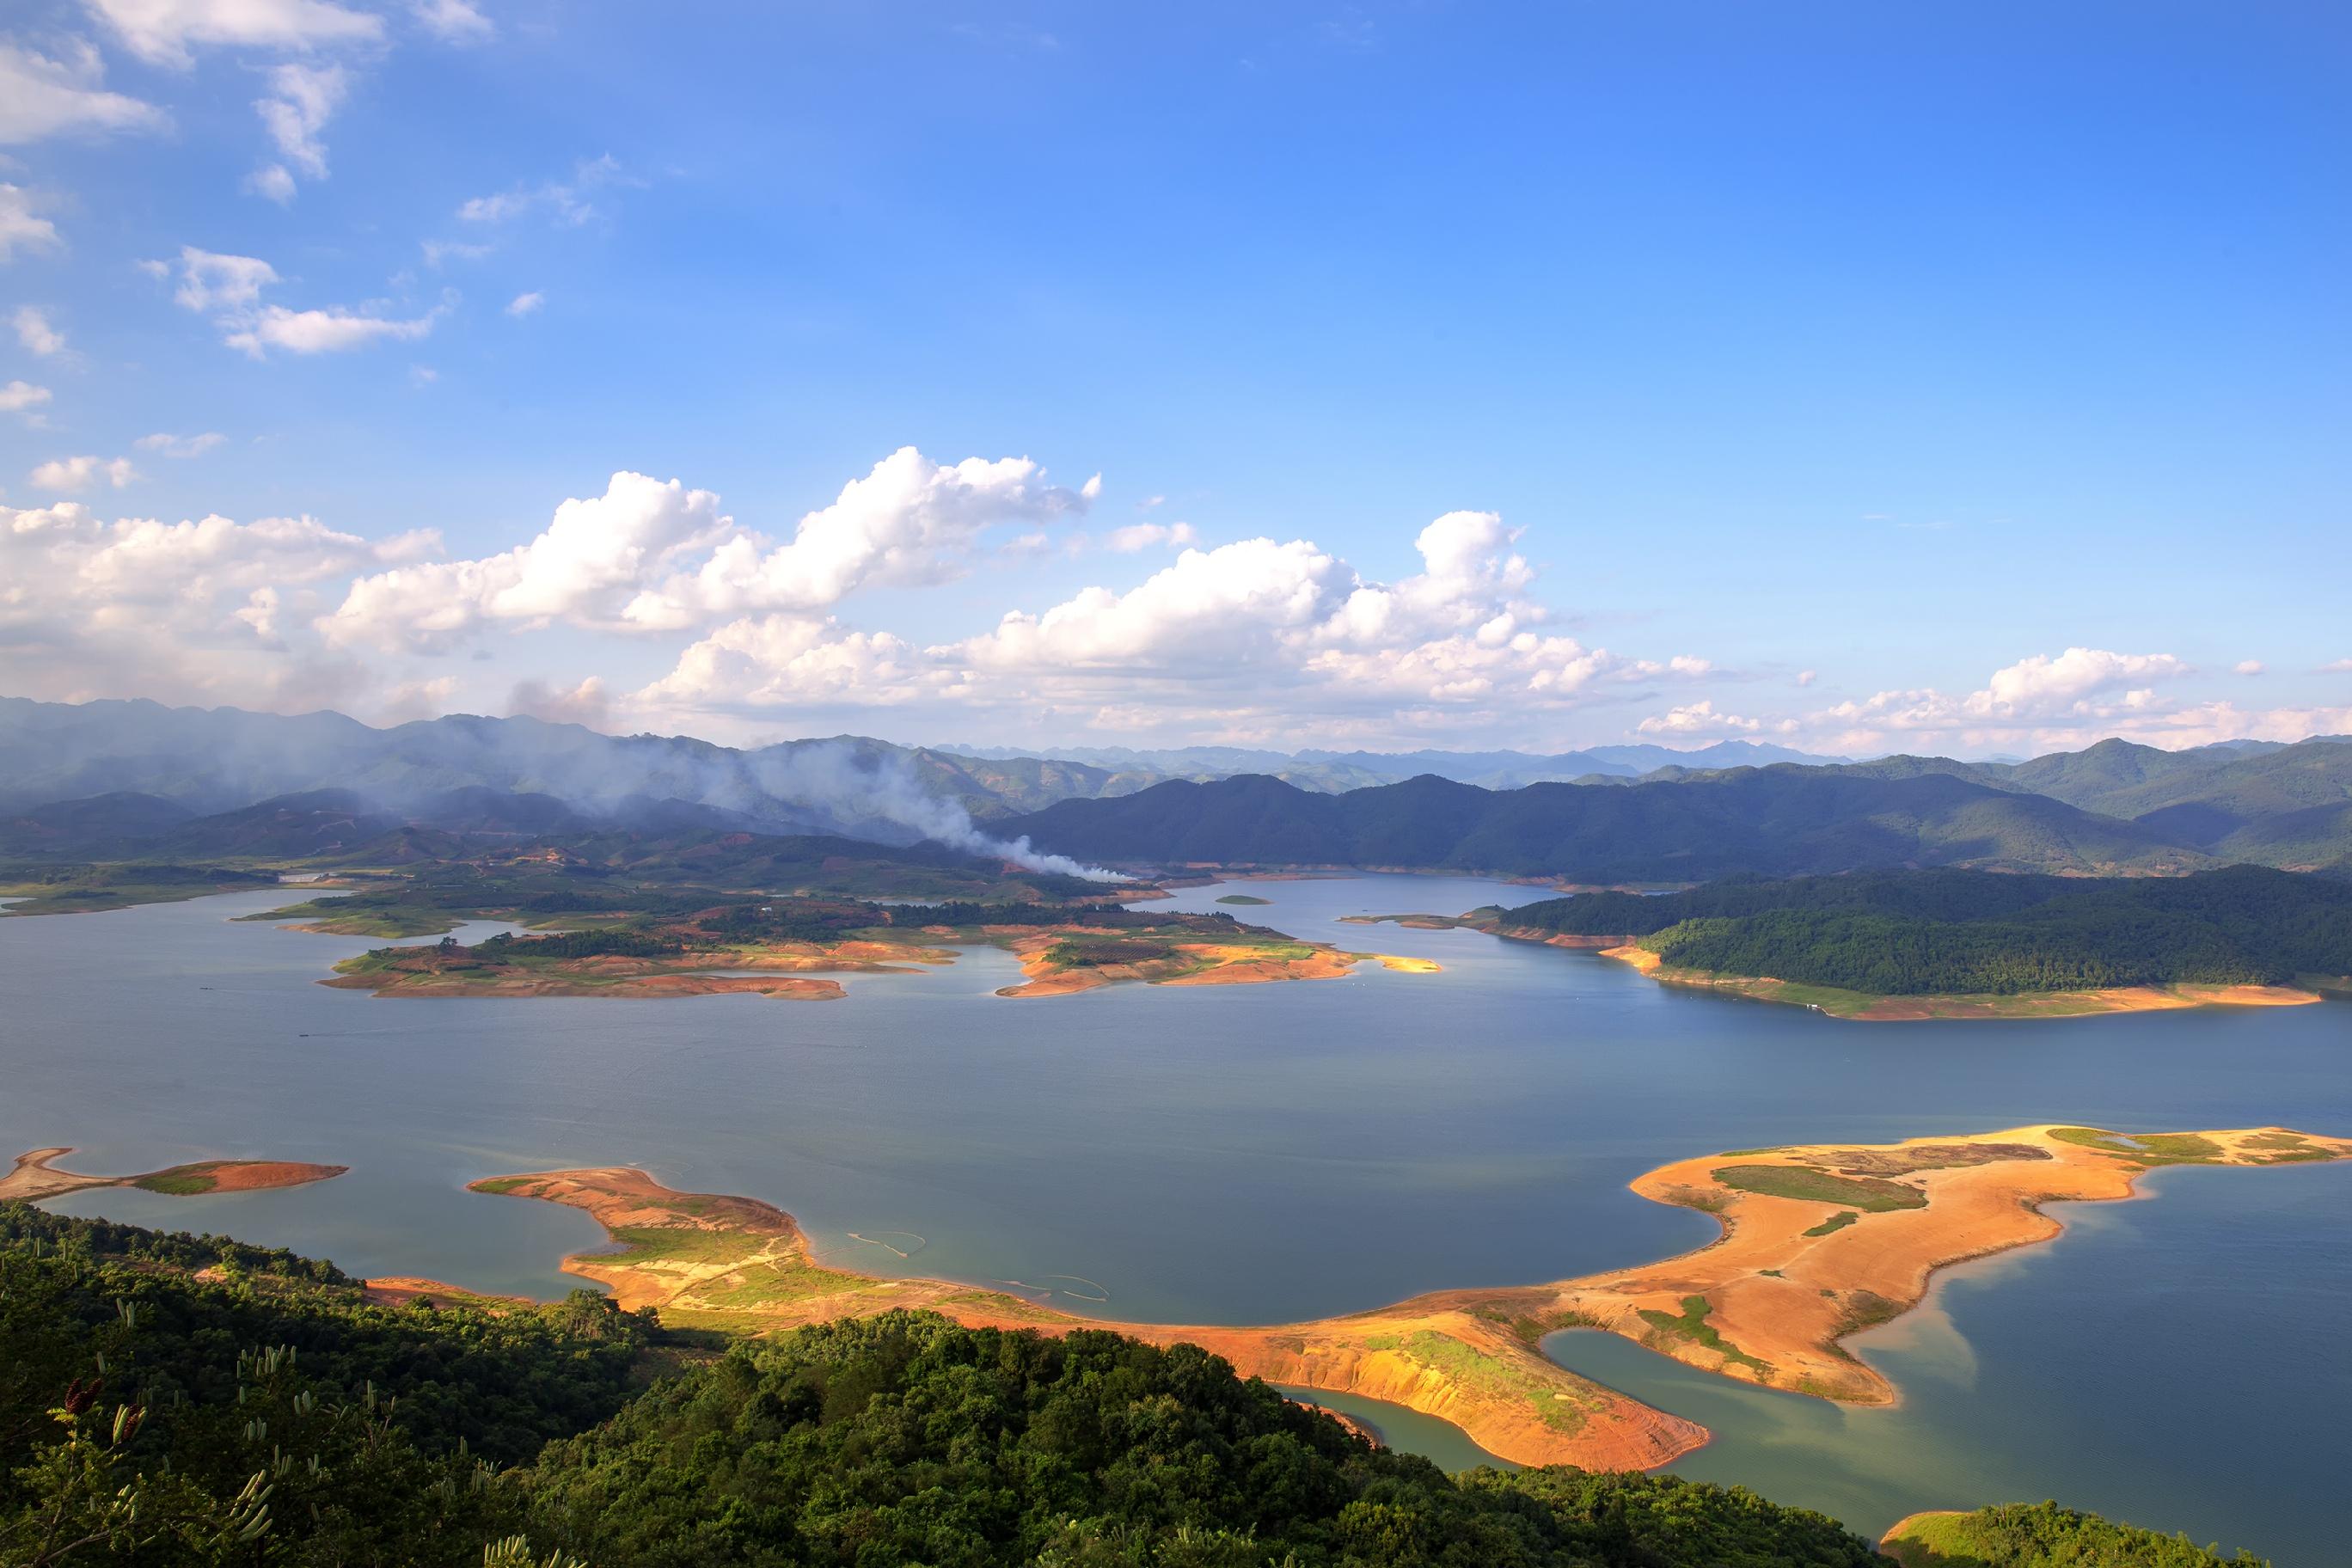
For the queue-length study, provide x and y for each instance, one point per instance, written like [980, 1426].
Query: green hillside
[268, 1415]
[2278, 805]
[2043, 1535]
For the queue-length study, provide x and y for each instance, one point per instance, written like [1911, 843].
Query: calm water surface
[1261, 1154]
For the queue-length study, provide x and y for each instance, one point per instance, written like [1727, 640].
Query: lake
[1264, 1153]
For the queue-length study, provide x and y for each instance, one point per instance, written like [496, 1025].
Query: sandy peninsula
[1869, 1008]
[36, 1176]
[1819, 1242]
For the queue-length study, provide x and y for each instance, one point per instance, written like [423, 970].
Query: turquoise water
[2177, 1360]
[1401, 1428]
[1236, 1154]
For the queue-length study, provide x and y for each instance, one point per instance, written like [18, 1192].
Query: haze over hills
[124, 780]
[2114, 808]
[213, 760]
[1335, 771]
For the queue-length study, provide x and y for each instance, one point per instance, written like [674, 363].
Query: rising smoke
[836, 775]
[222, 760]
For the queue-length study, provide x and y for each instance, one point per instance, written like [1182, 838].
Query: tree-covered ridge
[1907, 933]
[1939, 894]
[150, 1416]
[171, 1400]
[2043, 1535]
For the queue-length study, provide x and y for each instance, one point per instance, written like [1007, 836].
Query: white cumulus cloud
[64, 94]
[162, 31]
[1259, 637]
[1138, 536]
[300, 100]
[318, 331]
[910, 520]
[22, 228]
[18, 397]
[229, 288]
[212, 282]
[70, 475]
[524, 304]
[34, 331]
[590, 560]
[453, 21]
[171, 446]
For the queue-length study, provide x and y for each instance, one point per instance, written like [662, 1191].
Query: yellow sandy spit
[36, 1176]
[1818, 1242]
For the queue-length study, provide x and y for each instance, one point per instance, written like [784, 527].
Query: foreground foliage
[2043, 1535]
[184, 1400]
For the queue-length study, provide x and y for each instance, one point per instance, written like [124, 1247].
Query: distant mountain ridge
[109, 780]
[1779, 821]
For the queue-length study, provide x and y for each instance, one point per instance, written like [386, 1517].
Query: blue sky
[1968, 378]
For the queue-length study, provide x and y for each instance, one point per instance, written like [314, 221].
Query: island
[777, 946]
[1886, 946]
[1817, 1243]
[36, 1176]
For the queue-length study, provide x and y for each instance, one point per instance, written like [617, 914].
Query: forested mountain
[264, 1412]
[107, 779]
[2277, 804]
[1910, 934]
[1779, 821]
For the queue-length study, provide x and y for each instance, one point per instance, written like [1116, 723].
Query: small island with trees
[1883, 945]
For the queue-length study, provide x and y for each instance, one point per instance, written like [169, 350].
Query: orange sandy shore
[1769, 1302]
[1225, 965]
[36, 1175]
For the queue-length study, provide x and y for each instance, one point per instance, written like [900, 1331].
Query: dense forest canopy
[1952, 932]
[267, 1414]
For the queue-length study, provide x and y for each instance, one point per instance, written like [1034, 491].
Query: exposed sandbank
[1819, 1242]
[1273, 959]
[36, 1176]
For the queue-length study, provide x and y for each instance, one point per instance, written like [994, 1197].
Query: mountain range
[137, 780]
[2114, 808]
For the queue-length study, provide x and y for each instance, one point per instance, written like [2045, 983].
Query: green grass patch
[1479, 1373]
[2148, 1148]
[1866, 1309]
[643, 1245]
[499, 1186]
[1693, 1326]
[769, 1284]
[1836, 1222]
[180, 1180]
[2031, 1535]
[1866, 1193]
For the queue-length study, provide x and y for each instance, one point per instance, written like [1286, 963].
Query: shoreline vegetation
[1819, 1242]
[780, 948]
[1906, 945]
